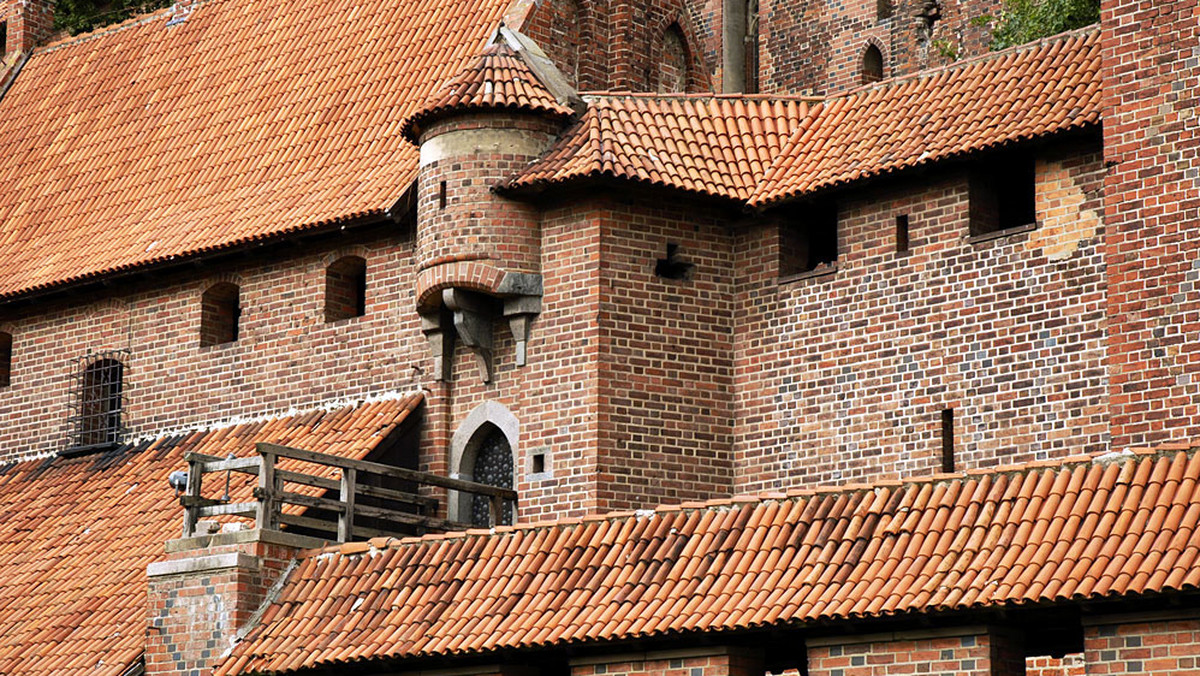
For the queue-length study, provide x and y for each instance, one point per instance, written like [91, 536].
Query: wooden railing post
[346, 518]
[191, 513]
[268, 513]
[495, 510]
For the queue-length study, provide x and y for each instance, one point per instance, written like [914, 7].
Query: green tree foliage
[78, 16]
[1022, 21]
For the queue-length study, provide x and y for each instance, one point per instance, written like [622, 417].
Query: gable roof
[1021, 93]
[148, 142]
[1083, 528]
[707, 144]
[76, 535]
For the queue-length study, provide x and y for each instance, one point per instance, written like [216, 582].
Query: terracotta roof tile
[250, 119]
[1024, 92]
[711, 145]
[76, 535]
[950, 542]
[498, 79]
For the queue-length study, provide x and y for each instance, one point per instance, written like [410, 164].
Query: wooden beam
[386, 470]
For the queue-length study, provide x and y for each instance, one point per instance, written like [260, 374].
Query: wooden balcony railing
[367, 499]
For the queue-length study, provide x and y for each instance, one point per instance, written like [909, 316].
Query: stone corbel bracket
[470, 314]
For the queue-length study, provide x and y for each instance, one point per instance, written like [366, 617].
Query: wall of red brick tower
[817, 47]
[1152, 149]
[30, 22]
[620, 45]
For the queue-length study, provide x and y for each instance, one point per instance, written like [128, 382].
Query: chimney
[25, 24]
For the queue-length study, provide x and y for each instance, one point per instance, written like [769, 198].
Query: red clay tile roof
[712, 145]
[763, 151]
[250, 119]
[499, 80]
[76, 535]
[1021, 93]
[1081, 528]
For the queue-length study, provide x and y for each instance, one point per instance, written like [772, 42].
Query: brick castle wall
[1152, 146]
[843, 377]
[286, 354]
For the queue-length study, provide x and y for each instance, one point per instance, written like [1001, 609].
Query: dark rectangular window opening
[538, 463]
[98, 403]
[902, 233]
[3, 39]
[1002, 194]
[346, 288]
[5, 359]
[947, 440]
[808, 240]
[220, 314]
[442, 195]
[672, 265]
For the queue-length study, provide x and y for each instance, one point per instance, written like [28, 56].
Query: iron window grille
[98, 402]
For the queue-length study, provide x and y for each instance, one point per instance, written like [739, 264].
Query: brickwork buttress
[29, 23]
[666, 364]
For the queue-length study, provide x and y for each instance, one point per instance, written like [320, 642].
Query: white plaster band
[481, 141]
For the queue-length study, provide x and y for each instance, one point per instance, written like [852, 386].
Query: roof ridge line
[102, 31]
[1102, 458]
[1089, 29]
[700, 96]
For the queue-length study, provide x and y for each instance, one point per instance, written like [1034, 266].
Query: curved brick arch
[677, 18]
[870, 70]
[472, 275]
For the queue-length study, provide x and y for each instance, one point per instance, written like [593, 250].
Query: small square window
[1002, 194]
[808, 240]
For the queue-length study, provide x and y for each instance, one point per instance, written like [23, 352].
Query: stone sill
[810, 274]
[999, 234]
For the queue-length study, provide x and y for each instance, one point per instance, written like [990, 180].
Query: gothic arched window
[494, 467]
